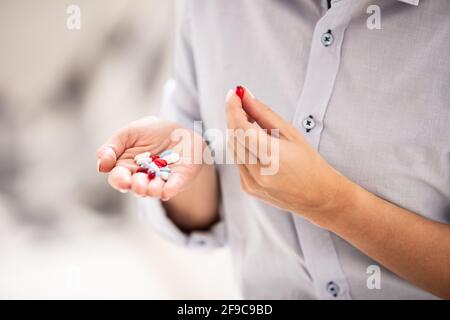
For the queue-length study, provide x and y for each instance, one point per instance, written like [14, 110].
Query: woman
[364, 151]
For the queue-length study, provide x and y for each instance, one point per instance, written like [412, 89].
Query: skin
[415, 248]
[188, 183]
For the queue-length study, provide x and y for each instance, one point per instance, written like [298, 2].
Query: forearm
[196, 207]
[411, 246]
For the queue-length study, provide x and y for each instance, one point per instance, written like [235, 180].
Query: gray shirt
[380, 100]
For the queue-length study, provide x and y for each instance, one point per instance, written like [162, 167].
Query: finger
[249, 165]
[253, 147]
[247, 181]
[250, 184]
[247, 135]
[265, 116]
[109, 152]
[252, 188]
[155, 187]
[173, 186]
[120, 179]
[139, 183]
[236, 116]
[236, 149]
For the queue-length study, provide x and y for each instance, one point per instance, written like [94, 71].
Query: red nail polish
[154, 156]
[240, 91]
[142, 169]
[151, 175]
[160, 162]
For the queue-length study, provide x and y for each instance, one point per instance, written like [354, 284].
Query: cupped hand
[155, 135]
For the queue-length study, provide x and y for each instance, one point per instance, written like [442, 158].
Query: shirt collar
[414, 2]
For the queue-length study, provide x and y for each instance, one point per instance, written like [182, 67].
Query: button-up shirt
[373, 101]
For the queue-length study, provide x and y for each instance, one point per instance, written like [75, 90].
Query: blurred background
[63, 232]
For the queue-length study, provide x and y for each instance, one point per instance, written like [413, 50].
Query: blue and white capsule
[163, 175]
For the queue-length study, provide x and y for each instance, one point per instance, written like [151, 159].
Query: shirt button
[309, 123]
[327, 38]
[333, 289]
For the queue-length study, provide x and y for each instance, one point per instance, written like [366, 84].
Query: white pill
[143, 161]
[152, 166]
[147, 163]
[144, 155]
[165, 153]
[172, 158]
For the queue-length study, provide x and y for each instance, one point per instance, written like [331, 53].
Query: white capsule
[163, 174]
[143, 155]
[166, 169]
[152, 166]
[143, 161]
[172, 158]
[147, 163]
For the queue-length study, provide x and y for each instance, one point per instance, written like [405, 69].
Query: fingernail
[164, 199]
[249, 93]
[240, 91]
[98, 165]
[123, 190]
[110, 150]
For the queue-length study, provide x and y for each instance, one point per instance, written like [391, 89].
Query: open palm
[152, 134]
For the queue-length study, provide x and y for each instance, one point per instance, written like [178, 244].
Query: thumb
[264, 115]
[109, 152]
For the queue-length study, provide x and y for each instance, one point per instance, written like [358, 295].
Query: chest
[380, 97]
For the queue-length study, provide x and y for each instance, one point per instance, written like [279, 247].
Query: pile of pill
[156, 165]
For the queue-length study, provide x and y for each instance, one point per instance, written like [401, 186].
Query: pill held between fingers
[172, 158]
[240, 92]
[143, 155]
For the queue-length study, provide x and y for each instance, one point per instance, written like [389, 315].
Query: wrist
[346, 200]
[196, 206]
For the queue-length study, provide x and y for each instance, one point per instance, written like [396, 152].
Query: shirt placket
[318, 248]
